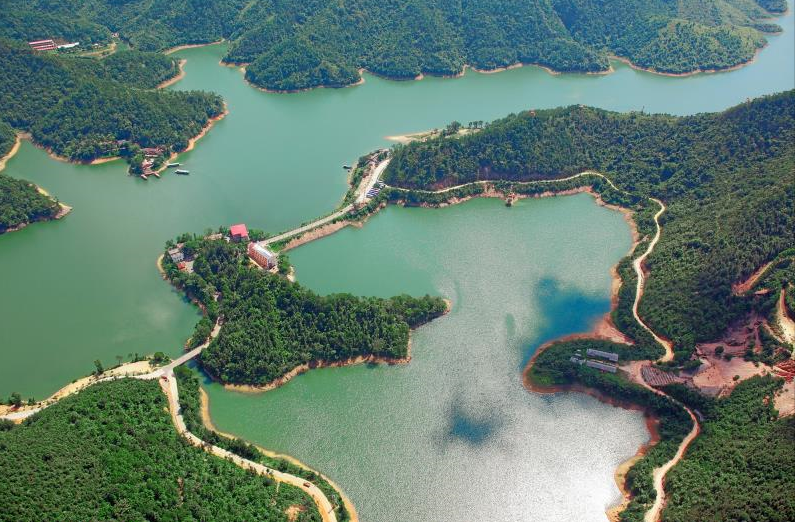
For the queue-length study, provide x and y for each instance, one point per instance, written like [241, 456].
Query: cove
[85, 288]
[453, 435]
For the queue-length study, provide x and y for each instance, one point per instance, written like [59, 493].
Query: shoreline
[207, 420]
[52, 154]
[64, 208]
[11, 153]
[192, 141]
[180, 75]
[129, 369]
[312, 365]
[549, 70]
[178, 48]
[627, 62]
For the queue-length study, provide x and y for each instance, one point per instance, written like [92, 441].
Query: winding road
[168, 384]
[638, 265]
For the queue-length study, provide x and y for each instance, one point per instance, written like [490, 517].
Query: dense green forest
[84, 108]
[742, 465]
[271, 325]
[111, 453]
[726, 179]
[295, 45]
[20, 202]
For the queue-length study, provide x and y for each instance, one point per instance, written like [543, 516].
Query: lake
[452, 434]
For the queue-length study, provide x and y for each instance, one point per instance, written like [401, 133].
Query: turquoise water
[86, 288]
[453, 435]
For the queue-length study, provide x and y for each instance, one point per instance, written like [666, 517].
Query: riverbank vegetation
[726, 179]
[111, 452]
[298, 45]
[271, 326]
[83, 108]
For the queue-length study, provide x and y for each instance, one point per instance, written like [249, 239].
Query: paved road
[361, 197]
[306, 228]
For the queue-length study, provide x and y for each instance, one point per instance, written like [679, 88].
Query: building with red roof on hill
[239, 232]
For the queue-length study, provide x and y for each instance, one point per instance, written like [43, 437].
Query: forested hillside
[84, 108]
[726, 179]
[270, 325]
[294, 45]
[111, 452]
[741, 464]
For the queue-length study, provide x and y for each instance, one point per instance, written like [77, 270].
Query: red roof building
[239, 232]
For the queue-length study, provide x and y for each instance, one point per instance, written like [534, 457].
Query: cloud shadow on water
[474, 425]
[563, 312]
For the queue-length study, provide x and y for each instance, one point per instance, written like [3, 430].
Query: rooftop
[238, 230]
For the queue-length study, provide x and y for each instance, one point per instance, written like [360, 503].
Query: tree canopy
[295, 45]
[271, 325]
[84, 108]
[111, 452]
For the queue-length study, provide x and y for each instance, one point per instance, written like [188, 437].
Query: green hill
[295, 45]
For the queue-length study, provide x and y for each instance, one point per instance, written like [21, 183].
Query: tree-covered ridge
[299, 44]
[111, 453]
[726, 179]
[85, 108]
[271, 325]
[741, 467]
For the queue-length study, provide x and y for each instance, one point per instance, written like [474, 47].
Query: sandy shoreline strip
[208, 423]
[178, 48]
[127, 369]
[180, 75]
[12, 152]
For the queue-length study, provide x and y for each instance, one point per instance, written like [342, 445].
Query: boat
[172, 165]
[181, 172]
[346, 167]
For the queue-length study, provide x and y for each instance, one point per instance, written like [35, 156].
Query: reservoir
[452, 435]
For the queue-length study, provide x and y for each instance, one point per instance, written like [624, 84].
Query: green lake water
[453, 435]
[453, 429]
